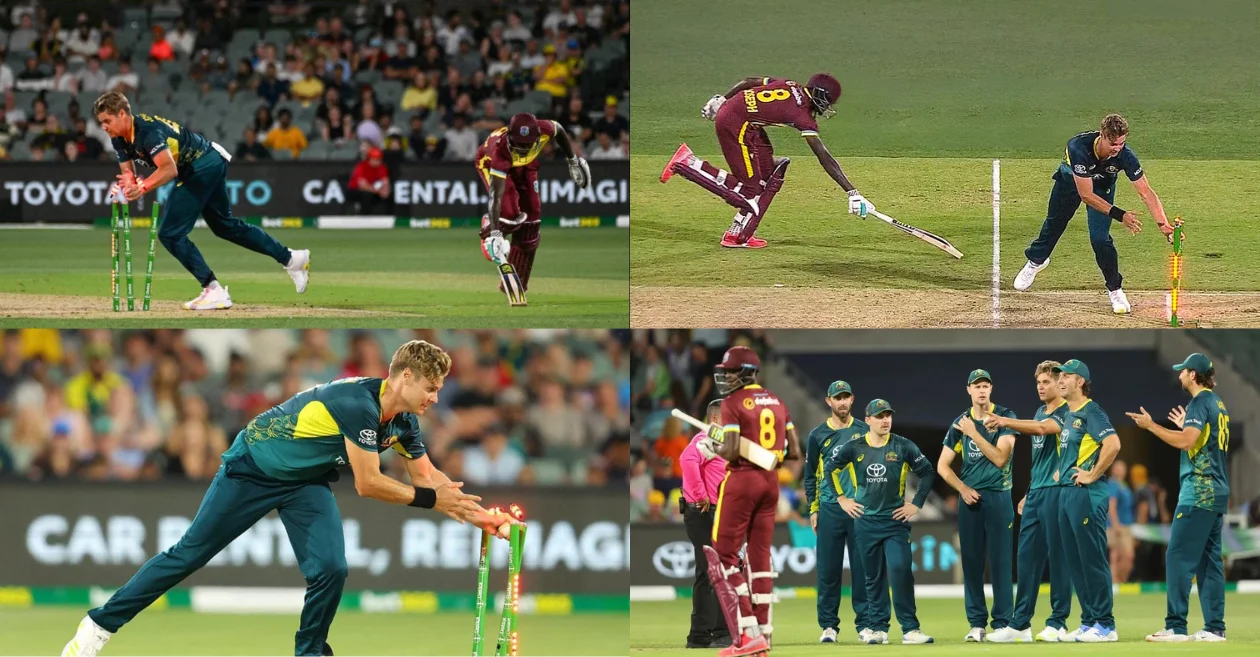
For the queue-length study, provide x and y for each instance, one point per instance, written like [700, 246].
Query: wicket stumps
[1175, 292]
[120, 227]
[509, 637]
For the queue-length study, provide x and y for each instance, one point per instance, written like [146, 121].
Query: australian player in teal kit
[283, 461]
[986, 516]
[199, 169]
[1091, 164]
[1194, 549]
[881, 461]
[1039, 539]
[833, 526]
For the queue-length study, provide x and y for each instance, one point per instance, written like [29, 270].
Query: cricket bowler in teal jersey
[1194, 549]
[1091, 164]
[1039, 539]
[878, 464]
[284, 460]
[986, 516]
[199, 169]
[833, 526]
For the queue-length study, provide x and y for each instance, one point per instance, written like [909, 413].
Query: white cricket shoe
[1204, 635]
[828, 636]
[1008, 635]
[88, 640]
[864, 634]
[216, 298]
[976, 635]
[1098, 634]
[299, 268]
[1029, 274]
[914, 637]
[1051, 634]
[876, 637]
[1119, 302]
[1167, 636]
[1070, 637]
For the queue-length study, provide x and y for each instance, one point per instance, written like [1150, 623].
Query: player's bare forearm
[1032, 427]
[793, 446]
[1179, 438]
[746, 83]
[497, 185]
[945, 469]
[562, 141]
[370, 482]
[997, 454]
[1154, 206]
[829, 163]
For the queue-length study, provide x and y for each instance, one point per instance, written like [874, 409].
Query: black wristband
[1116, 213]
[425, 498]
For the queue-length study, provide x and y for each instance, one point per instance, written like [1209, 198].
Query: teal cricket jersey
[1045, 454]
[1204, 467]
[305, 437]
[1080, 160]
[1082, 436]
[820, 483]
[878, 474]
[978, 471]
[154, 134]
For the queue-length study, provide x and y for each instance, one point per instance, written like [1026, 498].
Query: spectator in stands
[23, 38]
[272, 89]
[420, 96]
[108, 51]
[467, 60]
[93, 78]
[363, 14]
[285, 135]
[70, 152]
[337, 35]
[99, 391]
[6, 72]
[370, 187]
[125, 81]
[38, 122]
[249, 150]
[587, 34]
[503, 64]
[1120, 523]
[182, 39]
[516, 30]
[220, 78]
[161, 50]
[82, 42]
[309, 88]
[14, 115]
[434, 149]
[9, 133]
[49, 46]
[493, 462]
[670, 445]
[461, 140]
[33, 78]
[489, 120]
[195, 442]
[63, 80]
[553, 76]
[452, 33]
[207, 38]
[576, 121]
[89, 146]
[463, 105]
[337, 128]
[431, 59]
[415, 138]
[245, 79]
[398, 64]
[368, 130]
[292, 69]
[263, 120]
[264, 56]
[532, 58]
[612, 123]
[332, 98]
[606, 149]
[559, 425]
[367, 97]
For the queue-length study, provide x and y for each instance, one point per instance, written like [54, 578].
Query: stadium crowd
[523, 407]
[303, 80]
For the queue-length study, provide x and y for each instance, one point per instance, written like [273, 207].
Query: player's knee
[332, 570]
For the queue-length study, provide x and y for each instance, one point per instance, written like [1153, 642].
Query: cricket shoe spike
[916, 637]
[1029, 274]
[749, 646]
[299, 268]
[1208, 636]
[732, 242]
[1167, 636]
[681, 155]
[1050, 634]
[828, 636]
[88, 640]
[1119, 302]
[215, 298]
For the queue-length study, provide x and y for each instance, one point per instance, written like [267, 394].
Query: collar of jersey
[972, 411]
[867, 439]
[1078, 408]
[832, 426]
[1049, 410]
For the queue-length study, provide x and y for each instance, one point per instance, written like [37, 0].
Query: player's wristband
[1116, 213]
[426, 498]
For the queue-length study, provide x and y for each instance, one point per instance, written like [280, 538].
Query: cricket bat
[755, 453]
[512, 286]
[931, 238]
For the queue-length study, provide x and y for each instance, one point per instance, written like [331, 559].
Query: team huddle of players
[855, 480]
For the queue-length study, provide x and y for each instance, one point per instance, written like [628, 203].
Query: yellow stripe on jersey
[905, 471]
[743, 147]
[399, 448]
[717, 512]
[1088, 447]
[314, 421]
[1200, 442]
[173, 144]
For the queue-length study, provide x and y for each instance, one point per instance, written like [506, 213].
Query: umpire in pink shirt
[701, 479]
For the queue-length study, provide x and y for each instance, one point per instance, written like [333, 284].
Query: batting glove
[497, 247]
[707, 449]
[711, 108]
[580, 172]
[859, 205]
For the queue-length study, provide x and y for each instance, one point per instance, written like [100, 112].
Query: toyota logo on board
[676, 559]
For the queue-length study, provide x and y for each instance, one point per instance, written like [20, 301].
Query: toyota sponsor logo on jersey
[368, 437]
[676, 560]
[876, 472]
[972, 448]
[1038, 441]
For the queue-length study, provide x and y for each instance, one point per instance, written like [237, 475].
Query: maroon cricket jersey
[494, 158]
[758, 415]
[776, 102]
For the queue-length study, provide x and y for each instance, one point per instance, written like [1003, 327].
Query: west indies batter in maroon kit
[741, 116]
[747, 501]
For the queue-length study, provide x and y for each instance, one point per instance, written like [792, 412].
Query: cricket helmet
[522, 133]
[824, 89]
[738, 368]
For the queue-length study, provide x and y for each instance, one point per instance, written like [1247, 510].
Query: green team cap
[878, 406]
[1074, 367]
[838, 387]
[979, 375]
[1196, 362]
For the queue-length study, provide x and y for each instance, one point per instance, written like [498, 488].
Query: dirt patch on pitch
[799, 307]
[94, 309]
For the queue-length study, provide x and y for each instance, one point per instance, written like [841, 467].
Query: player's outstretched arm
[369, 481]
[746, 83]
[829, 163]
[1182, 438]
[1026, 427]
[1153, 205]
[579, 170]
[1085, 189]
[425, 475]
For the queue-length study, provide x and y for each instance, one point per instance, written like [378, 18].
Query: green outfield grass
[43, 631]
[933, 93]
[359, 278]
[660, 629]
